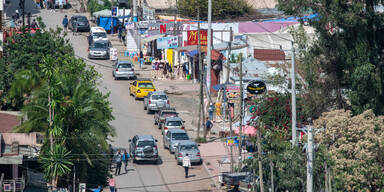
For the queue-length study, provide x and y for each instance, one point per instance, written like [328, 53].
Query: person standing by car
[65, 23]
[125, 159]
[111, 183]
[186, 164]
[118, 163]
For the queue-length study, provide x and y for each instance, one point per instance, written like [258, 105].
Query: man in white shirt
[186, 164]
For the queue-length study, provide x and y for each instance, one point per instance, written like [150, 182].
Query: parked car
[141, 87]
[188, 147]
[79, 23]
[173, 137]
[233, 179]
[143, 148]
[155, 101]
[99, 50]
[123, 69]
[249, 183]
[172, 123]
[97, 34]
[162, 114]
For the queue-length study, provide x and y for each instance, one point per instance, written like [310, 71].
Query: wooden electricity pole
[201, 105]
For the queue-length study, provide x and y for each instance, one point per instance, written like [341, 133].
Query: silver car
[99, 50]
[143, 148]
[155, 101]
[172, 123]
[188, 147]
[123, 69]
[173, 137]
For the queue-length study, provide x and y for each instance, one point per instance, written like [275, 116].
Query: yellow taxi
[141, 88]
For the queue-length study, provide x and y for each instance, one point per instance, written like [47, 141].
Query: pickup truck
[162, 114]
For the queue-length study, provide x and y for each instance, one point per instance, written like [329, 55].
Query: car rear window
[158, 97]
[125, 65]
[188, 147]
[100, 45]
[99, 34]
[145, 143]
[145, 85]
[174, 123]
[169, 114]
[180, 136]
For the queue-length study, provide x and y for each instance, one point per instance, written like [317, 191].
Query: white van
[96, 34]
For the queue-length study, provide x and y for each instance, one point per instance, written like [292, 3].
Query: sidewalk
[184, 96]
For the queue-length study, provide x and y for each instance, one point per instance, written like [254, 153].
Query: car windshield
[125, 65]
[100, 45]
[99, 34]
[145, 143]
[145, 85]
[188, 147]
[158, 97]
[169, 114]
[180, 136]
[174, 123]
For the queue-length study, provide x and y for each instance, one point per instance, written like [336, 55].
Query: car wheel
[200, 162]
[115, 78]
[136, 98]
[170, 151]
[148, 111]
[178, 163]
[145, 108]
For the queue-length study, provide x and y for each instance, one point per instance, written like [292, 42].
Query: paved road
[130, 119]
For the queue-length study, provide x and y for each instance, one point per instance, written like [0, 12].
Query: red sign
[193, 38]
[163, 28]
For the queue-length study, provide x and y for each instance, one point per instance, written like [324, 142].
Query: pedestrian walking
[118, 163]
[17, 15]
[125, 160]
[65, 23]
[186, 164]
[123, 35]
[208, 125]
[119, 31]
[112, 183]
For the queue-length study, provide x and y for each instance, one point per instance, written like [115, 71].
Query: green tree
[221, 9]
[344, 66]
[59, 96]
[355, 148]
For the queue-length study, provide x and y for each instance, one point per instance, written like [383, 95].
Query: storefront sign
[194, 40]
[114, 11]
[163, 28]
[130, 25]
[256, 87]
[167, 42]
[233, 93]
[145, 24]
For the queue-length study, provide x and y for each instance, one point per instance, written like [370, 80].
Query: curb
[210, 175]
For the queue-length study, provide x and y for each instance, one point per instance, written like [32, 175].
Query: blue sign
[114, 11]
[167, 42]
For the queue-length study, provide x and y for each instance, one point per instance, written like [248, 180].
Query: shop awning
[215, 55]
[151, 38]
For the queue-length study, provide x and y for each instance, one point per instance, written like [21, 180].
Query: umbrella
[247, 130]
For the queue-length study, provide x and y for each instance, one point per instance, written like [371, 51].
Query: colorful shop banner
[164, 28]
[167, 42]
[193, 37]
[170, 56]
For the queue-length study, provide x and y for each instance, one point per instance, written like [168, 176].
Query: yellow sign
[170, 56]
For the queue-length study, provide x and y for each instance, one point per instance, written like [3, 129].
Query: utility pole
[293, 95]
[111, 17]
[310, 160]
[134, 5]
[230, 135]
[209, 47]
[74, 178]
[229, 54]
[201, 106]
[259, 158]
[241, 110]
